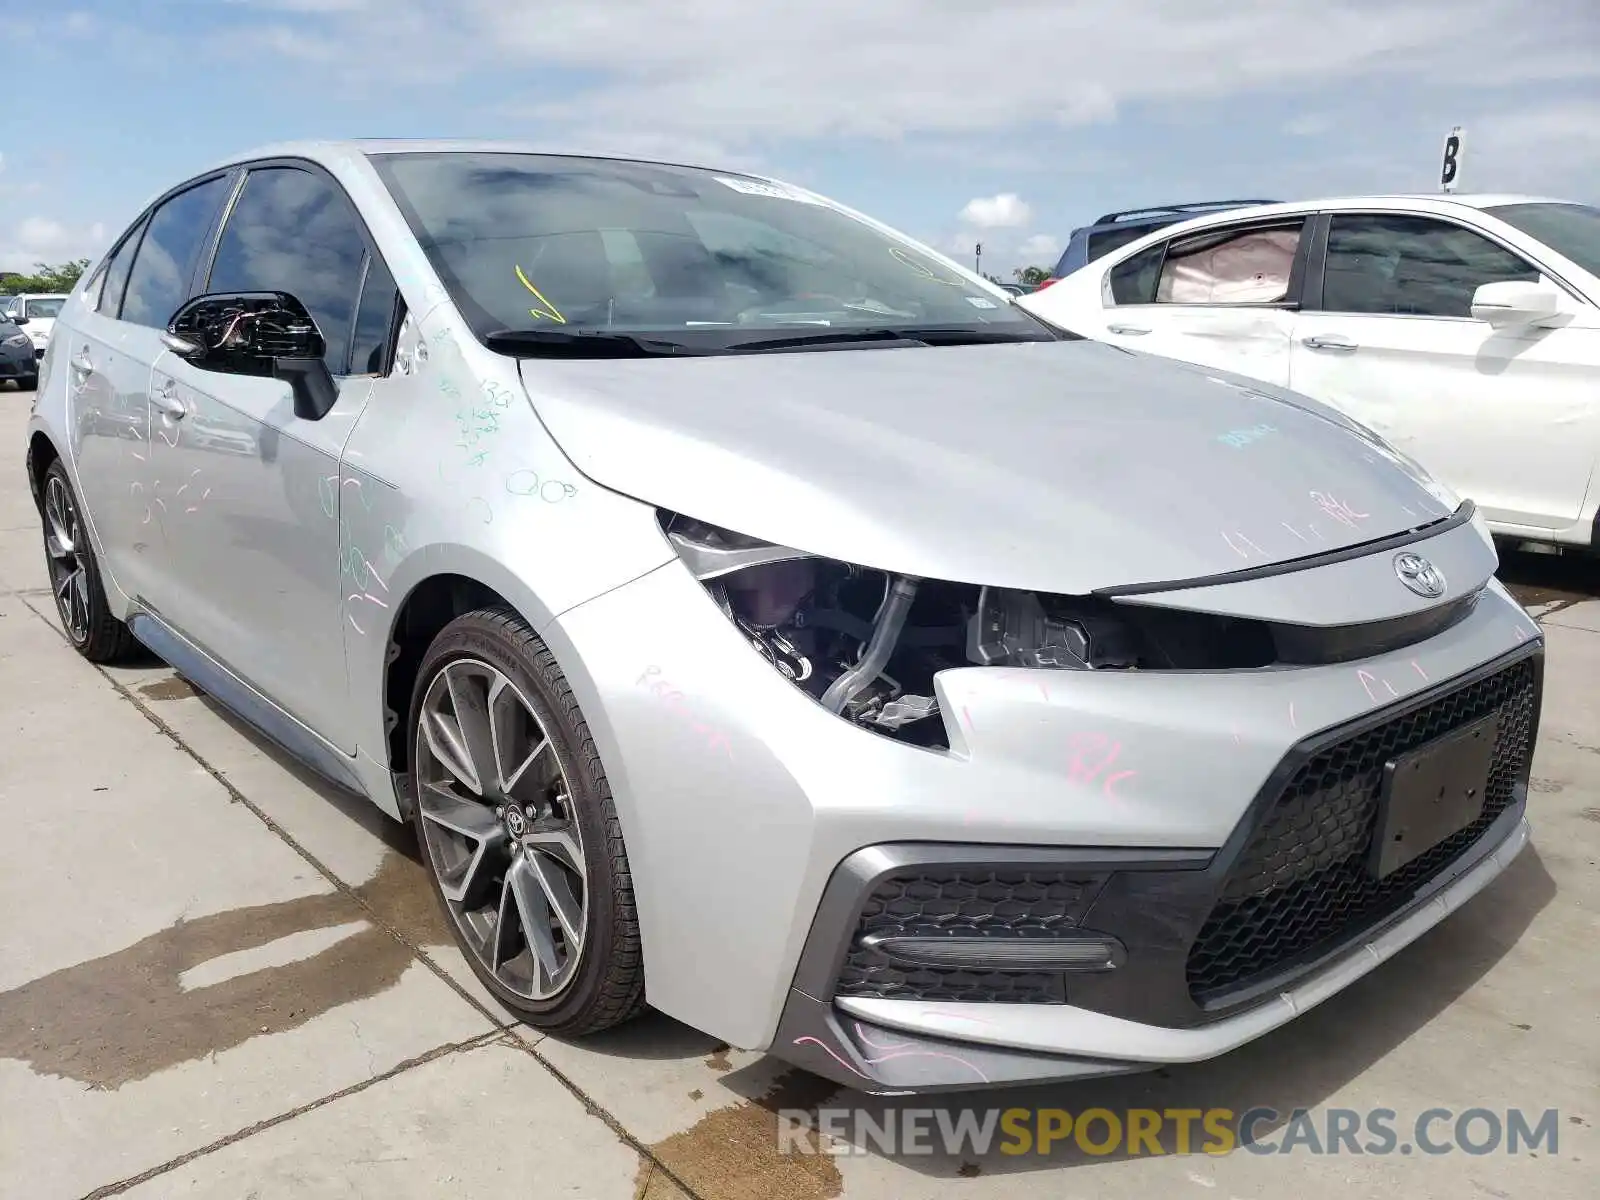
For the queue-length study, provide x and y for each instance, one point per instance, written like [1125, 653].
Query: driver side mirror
[262, 334]
[19, 319]
[1513, 303]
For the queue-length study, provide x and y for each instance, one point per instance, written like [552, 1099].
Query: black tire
[103, 638]
[29, 383]
[607, 987]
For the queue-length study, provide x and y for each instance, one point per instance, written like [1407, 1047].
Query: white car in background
[1463, 329]
[38, 313]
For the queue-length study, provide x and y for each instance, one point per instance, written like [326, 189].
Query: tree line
[45, 278]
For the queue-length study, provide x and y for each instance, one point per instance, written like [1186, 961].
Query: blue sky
[1007, 122]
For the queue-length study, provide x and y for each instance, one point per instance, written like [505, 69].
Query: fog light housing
[1080, 952]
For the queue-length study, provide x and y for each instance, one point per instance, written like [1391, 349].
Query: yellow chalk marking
[549, 311]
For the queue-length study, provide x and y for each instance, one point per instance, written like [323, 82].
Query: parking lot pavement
[219, 978]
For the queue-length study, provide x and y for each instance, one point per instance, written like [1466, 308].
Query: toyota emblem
[1420, 575]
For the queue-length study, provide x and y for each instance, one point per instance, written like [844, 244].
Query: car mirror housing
[264, 334]
[1511, 303]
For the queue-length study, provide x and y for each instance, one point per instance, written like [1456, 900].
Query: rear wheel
[75, 576]
[517, 824]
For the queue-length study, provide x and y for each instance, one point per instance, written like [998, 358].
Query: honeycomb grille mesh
[953, 902]
[1301, 882]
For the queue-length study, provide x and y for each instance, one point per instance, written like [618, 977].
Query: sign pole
[977, 258]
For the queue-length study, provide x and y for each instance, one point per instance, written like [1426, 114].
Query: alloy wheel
[69, 577]
[500, 830]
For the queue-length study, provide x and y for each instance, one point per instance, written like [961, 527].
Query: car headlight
[16, 339]
[866, 643]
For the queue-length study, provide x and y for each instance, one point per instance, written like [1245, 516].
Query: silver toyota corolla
[759, 616]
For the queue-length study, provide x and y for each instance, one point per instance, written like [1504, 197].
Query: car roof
[349, 149]
[1424, 202]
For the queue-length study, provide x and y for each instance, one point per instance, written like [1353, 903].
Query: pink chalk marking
[1232, 545]
[1045, 692]
[1110, 789]
[823, 1046]
[1367, 681]
[967, 717]
[1338, 509]
[1293, 724]
[955, 1058]
[1417, 667]
[861, 1032]
[1292, 530]
[1082, 767]
[907, 1050]
[1245, 538]
[1521, 636]
[1390, 686]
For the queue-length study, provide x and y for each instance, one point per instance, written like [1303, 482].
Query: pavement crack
[400, 1068]
[594, 1109]
[316, 864]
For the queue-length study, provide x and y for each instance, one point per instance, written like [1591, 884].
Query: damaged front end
[866, 643]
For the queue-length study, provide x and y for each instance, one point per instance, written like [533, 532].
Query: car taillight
[1046, 284]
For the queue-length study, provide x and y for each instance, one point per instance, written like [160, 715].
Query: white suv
[1463, 329]
[39, 314]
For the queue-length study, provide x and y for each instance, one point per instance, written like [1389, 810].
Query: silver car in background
[757, 614]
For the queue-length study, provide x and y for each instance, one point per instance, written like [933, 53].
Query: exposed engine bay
[866, 644]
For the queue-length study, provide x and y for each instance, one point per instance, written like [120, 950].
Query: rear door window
[164, 264]
[1236, 265]
[115, 277]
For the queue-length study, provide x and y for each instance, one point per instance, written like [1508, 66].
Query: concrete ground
[220, 979]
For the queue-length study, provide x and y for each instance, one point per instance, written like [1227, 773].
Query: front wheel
[517, 824]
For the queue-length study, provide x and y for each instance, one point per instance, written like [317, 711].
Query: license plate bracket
[1432, 792]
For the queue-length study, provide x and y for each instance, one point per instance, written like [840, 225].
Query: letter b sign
[1451, 167]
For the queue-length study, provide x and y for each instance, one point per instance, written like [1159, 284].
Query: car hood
[1054, 466]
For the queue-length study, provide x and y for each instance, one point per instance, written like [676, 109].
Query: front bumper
[740, 798]
[891, 1047]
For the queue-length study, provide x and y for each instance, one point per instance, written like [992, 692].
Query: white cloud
[1005, 211]
[1547, 147]
[1040, 247]
[735, 72]
[40, 239]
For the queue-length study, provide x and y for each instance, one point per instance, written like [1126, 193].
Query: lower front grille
[1300, 884]
[965, 902]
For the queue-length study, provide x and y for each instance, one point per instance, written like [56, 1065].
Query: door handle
[1338, 345]
[166, 399]
[1127, 330]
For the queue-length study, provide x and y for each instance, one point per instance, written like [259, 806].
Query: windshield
[1572, 230]
[531, 242]
[44, 308]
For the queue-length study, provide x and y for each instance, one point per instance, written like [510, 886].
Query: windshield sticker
[754, 187]
[922, 269]
[981, 302]
[549, 312]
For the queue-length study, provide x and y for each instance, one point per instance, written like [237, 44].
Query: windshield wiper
[929, 335]
[576, 343]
